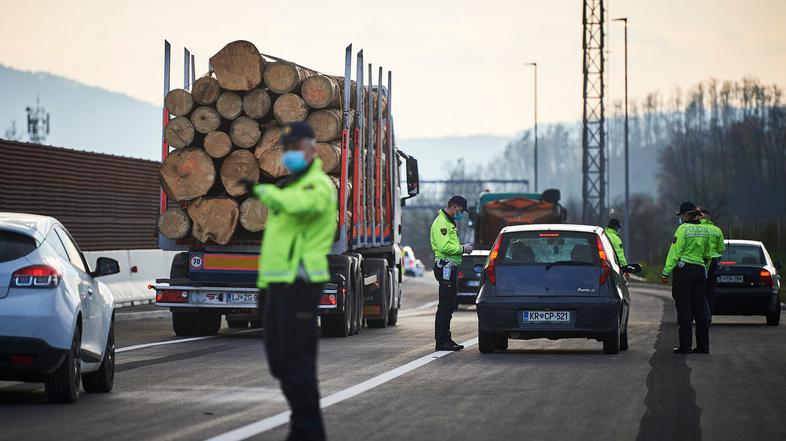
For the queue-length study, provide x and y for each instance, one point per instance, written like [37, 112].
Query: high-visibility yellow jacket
[444, 239]
[300, 229]
[691, 245]
[717, 245]
[616, 242]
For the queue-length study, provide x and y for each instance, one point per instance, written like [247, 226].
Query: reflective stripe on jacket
[300, 228]
[444, 238]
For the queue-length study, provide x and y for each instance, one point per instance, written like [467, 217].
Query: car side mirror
[106, 267]
[478, 267]
[778, 265]
[413, 180]
[632, 268]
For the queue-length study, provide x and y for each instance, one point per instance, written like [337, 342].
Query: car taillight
[490, 274]
[605, 268]
[461, 274]
[327, 299]
[765, 278]
[35, 276]
[170, 296]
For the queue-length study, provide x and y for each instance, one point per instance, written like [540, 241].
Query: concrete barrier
[138, 268]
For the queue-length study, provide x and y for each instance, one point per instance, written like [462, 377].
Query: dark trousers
[690, 299]
[709, 288]
[291, 346]
[448, 291]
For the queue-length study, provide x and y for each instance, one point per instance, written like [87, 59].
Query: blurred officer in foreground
[613, 231]
[717, 245]
[293, 266]
[447, 259]
[687, 259]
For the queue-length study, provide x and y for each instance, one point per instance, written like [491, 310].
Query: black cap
[687, 207]
[296, 131]
[614, 223]
[460, 201]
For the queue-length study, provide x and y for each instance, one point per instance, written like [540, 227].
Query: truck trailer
[208, 281]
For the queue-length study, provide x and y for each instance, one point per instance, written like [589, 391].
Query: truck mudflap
[217, 297]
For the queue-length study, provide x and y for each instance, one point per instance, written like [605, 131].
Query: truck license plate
[545, 316]
[241, 298]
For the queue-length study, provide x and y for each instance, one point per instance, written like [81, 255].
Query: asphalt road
[388, 384]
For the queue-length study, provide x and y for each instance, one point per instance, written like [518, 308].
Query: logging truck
[228, 131]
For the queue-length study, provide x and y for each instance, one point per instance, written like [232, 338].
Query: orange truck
[496, 211]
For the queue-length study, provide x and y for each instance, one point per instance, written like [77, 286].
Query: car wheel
[501, 342]
[103, 380]
[237, 324]
[611, 342]
[774, 318]
[62, 385]
[486, 342]
[256, 324]
[624, 340]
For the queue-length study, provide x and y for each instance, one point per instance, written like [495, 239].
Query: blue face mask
[294, 161]
[459, 216]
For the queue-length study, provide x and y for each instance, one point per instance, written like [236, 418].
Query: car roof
[33, 225]
[553, 227]
[743, 242]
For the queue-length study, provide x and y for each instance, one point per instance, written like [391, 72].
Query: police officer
[613, 231]
[717, 245]
[687, 259]
[293, 265]
[447, 258]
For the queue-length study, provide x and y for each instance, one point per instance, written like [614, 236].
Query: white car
[56, 322]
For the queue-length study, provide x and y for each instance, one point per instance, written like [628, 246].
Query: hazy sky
[458, 65]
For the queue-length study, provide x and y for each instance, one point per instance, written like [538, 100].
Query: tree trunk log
[178, 102]
[253, 215]
[214, 219]
[179, 132]
[290, 108]
[174, 223]
[285, 77]
[268, 153]
[321, 92]
[245, 132]
[326, 124]
[205, 119]
[187, 174]
[205, 91]
[229, 105]
[217, 144]
[257, 103]
[238, 66]
[240, 165]
[330, 154]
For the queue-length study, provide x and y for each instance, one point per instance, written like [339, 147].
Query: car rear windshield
[743, 255]
[546, 247]
[14, 245]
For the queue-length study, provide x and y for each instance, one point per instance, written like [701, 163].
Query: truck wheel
[393, 313]
[237, 324]
[256, 324]
[103, 380]
[62, 385]
[335, 325]
[195, 324]
[393, 317]
[359, 297]
[382, 292]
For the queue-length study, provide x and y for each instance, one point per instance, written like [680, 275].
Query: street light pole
[535, 65]
[626, 235]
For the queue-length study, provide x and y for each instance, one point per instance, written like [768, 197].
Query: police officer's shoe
[681, 350]
[456, 344]
[448, 346]
[698, 350]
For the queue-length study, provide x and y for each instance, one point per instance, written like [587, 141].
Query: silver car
[56, 322]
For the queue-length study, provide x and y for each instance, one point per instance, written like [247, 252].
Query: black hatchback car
[553, 281]
[468, 279]
[747, 282]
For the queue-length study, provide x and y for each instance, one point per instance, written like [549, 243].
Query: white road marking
[181, 340]
[282, 418]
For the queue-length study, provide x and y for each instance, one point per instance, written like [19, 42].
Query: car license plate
[242, 298]
[473, 282]
[725, 278]
[208, 298]
[545, 316]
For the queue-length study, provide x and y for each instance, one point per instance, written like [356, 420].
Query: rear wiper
[567, 262]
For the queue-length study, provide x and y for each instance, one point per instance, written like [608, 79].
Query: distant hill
[434, 154]
[82, 117]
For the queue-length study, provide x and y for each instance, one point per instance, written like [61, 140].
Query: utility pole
[535, 94]
[626, 225]
[37, 123]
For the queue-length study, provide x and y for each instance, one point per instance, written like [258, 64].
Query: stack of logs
[226, 130]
